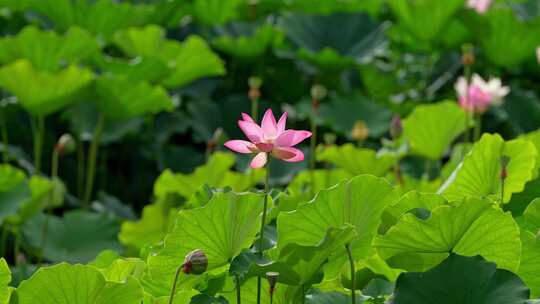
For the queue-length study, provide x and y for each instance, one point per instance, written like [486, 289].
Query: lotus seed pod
[318, 92]
[272, 278]
[396, 128]
[66, 144]
[195, 262]
[360, 131]
[255, 82]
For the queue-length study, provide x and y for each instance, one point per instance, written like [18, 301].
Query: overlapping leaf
[357, 160]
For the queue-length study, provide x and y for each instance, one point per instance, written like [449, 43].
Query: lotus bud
[318, 92]
[396, 128]
[360, 131]
[272, 278]
[329, 138]
[65, 145]
[195, 262]
[254, 83]
[467, 57]
[504, 164]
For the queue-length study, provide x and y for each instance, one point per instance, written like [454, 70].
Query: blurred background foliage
[161, 77]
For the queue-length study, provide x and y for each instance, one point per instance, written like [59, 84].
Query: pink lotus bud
[396, 128]
[195, 262]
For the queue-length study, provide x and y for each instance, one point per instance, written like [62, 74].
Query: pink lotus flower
[479, 94]
[268, 138]
[480, 6]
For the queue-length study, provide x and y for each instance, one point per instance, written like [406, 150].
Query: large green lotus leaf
[357, 160]
[425, 19]
[120, 98]
[215, 12]
[101, 17]
[81, 284]
[479, 173]
[414, 202]
[155, 222]
[5, 279]
[187, 61]
[534, 138]
[506, 38]
[41, 92]
[529, 267]
[215, 173]
[359, 202]
[530, 220]
[78, 236]
[337, 40]
[14, 190]
[46, 50]
[192, 59]
[474, 227]
[223, 227]
[244, 40]
[464, 280]
[430, 129]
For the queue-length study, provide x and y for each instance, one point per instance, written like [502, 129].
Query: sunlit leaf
[474, 227]
[41, 92]
[5, 279]
[357, 160]
[430, 129]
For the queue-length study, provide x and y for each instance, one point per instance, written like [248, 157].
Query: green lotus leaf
[464, 280]
[424, 19]
[530, 220]
[215, 12]
[46, 50]
[145, 41]
[215, 173]
[227, 224]
[78, 236]
[505, 37]
[68, 284]
[41, 92]
[193, 59]
[474, 227]
[357, 160]
[337, 40]
[328, 7]
[479, 173]
[120, 98]
[425, 131]
[244, 40]
[5, 279]
[529, 267]
[14, 190]
[155, 222]
[101, 17]
[359, 202]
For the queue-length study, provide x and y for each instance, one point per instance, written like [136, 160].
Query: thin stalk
[238, 295]
[39, 133]
[4, 240]
[263, 222]
[478, 127]
[303, 294]
[5, 139]
[467, 114]
[92, 158]
[54, 175]
[17, 247]
[80, 169]
[173, 288]
[353, 272]
[397, 174]
[502, 192]
[312, 146]
[254, 108]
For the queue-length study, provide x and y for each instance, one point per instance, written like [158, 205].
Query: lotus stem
[312, 156]
[5, 139]
[353, 272]
[80, 169]
[238, 295]
[173, 287]
[254, 108]
[478, 127]
[263, 222]
[54, 175]
[92, 158]
[39, 133]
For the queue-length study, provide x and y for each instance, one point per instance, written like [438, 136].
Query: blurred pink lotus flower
[480, 6]
[268, 138]
[479, 94]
